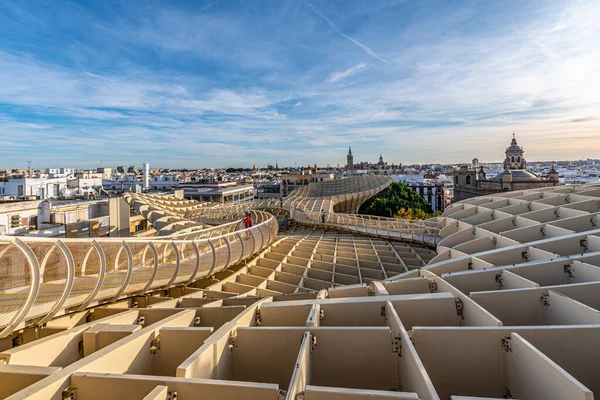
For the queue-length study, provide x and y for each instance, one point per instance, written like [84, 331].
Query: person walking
[248, 221]
[248, 224]
[323, 216]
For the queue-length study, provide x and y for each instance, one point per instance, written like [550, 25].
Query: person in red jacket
[248, 221]
[247, 225]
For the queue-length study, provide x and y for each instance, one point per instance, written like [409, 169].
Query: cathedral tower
[349, 160]
[514, 156]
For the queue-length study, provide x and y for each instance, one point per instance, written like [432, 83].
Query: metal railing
[416, 231]
[44, 277]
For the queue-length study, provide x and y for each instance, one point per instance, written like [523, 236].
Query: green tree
[389, 202]
[409, 213]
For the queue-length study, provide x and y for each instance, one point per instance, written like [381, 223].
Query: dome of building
[514, 156]
[513, 145]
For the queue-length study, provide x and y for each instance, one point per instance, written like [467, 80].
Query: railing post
[177, 265]
[129, 271]
[228, 252]
[269, 239]
[34, 268]
[68, 283]
[197, 251]
[241, 240]
[154, 268]
[214, 257]
[101, 275]
[262, 239]
[253, 242]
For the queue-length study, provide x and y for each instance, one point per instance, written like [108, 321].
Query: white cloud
[338, 76]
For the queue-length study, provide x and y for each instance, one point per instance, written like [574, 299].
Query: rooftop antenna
[29, 167]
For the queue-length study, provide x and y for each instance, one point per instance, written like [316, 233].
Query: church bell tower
[349, 160]
[514, 156]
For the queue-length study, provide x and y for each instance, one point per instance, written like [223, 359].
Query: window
[468, 179]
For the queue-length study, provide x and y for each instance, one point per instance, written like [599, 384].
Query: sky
[295, 82]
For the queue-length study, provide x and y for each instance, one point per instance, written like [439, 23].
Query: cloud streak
[338, 76]
[334, 27]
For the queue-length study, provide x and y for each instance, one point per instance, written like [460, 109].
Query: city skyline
[267, 164]
[368, 164]
[244, 83]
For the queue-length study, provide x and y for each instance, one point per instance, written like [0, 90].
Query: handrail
[418, 231]
[415, 231]
[104, 283]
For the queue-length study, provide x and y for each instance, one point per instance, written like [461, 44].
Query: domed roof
[513, 145]
[517, 174]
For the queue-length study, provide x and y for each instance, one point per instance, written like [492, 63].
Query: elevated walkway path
[41, 278]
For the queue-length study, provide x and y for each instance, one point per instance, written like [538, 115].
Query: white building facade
[40, 188]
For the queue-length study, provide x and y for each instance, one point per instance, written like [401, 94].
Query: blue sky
[237, 83]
